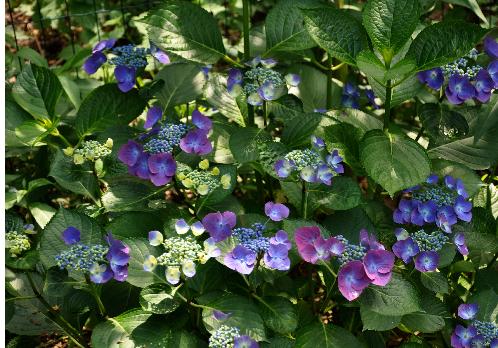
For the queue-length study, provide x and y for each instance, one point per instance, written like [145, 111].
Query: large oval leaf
[325, 336]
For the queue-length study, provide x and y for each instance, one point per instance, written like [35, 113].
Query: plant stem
[231, 61]
[246, 24]
[265, 114]
[420, 132]
[96, 296]
[387, 106]
[72, 333]
[304, 200]
[329, 269]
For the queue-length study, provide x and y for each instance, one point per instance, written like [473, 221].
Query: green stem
[304, 200]
[265, 114]
[387, 106]
[231, 61]
[329, 269]
[184, 299]
[64, 140]
[246, 24]
[420, 132]
[95, 294]
[72, 333]
[246, 281]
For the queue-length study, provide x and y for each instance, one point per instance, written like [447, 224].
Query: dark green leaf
[441, 123]
[244, 143]
[297, 131]
[435, 281]
[125, 194]
[217, 95]
[157, 299]
[374, 321]
[325, 336]
[279, 314]
[430, 320]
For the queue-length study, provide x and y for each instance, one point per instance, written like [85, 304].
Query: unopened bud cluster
[90, 150]
[224, 337]
[81, 257]
[351, 252]
[166, 139]
[430, 241]
[130, 56]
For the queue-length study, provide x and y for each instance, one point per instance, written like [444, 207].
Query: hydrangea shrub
[327, 181]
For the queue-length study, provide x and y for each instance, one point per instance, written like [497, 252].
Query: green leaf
[183, 82]
[31, 133]
[107, 106]
[186, 30]
[343, 194]
[33, 56]
[430, 320]
[216, 93]
[443, 42]
[435, 281]
[359, 119]
[76, 178]
[51, 243]
[14, 117]
[135, 224]
[244, 143]
[220, 137]
[125, 194]
[345, 138]
[390, 23]
[336, 31]
[325, 336]
[471, 4]
[279, 314]
[394, 161]
[157, 299]
[371, 65]
[37, 90]
[487, 300]
[284, 27]
[398, 297]
[378, 322]
[139, 249]
[441, 123]
[27, 261]
[297, 131]
[245, 315]
[469, 177]
[401, 92]
[42, 213]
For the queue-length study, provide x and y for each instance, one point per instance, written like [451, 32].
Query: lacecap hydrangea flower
[150, 157]
[90, 150]
[260, 83]
[477, 334]
[230, 337]
[464, 78]
[101, 262]
[315, 165]
[361, 265]
[442, 202]
[251, 242]
[181, 253]
[127, 59]
[203, 180]
[18, 241]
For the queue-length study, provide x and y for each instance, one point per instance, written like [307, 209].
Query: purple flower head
[276, 211]
[154, 114]
[201, 121]
[268, 62]
[428, 211]
[450, 182]
[352, 280]
[462, 336]
[460, 188]
[433, 78]
[494, 343]
[484, 84]
[293, 79]
[94, 62]
[459, 89]
[478, 342]
[350, 102]
[282, 238]
[378, 266]
[416, 218]
[369, 241]
[459, 241]
[324, 174]
[493, 71]
[71, 235]
[446, 218]
[100, 274]
[463, 209]
[219, 225]
[244, 342]
[267, 91]
[130, 152]
[427, 261]
[159, 54]
[103, 45]
[433, 179]
[220, 316]
[336, 246]
[211, 249]
[125, 77]
[311, 245]
[283, 168]
[276, 257]
[196, 142]
[309, 174]
[335, 161]
[405, 249]
[403, 213]
[240, 259]
[118, 257]
[234, 81]
[351, 90]
[401, 234]
[141, 167]
[181, 226]
[491, 46]
[317, 142]
[254, 99]
[155, 238]
[468, 311]
[162, 167]
[371, 98]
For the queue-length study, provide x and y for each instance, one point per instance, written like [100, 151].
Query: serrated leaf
[244, 143]
[359, 119]
[390, 23]
[217, 95]
[30, 133]
[37, 90]
[430, 320]
[326, 336]
[473, 5]
[398, 297]
[378, 322]
[279, 314]
[336, 31]
[127, 194]
[394, 161]
[297, 131]
[157, 299]
[443, 42]
[183, 82]
[42, 213]
[405, 90]
[107, 106]
[186, 30]
[441, 123]
[435, 281]
[139, 249]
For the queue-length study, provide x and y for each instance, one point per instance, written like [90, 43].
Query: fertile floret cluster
[130, 56]
[167, 138]
[81, 257]
[90, 150]
[202, 180]
[260, 83]
[477, 334]
[315, 165]
[351, 251]
[252, 238]
[430, 241]
[223, 337]
[17, 243]
[488, 330]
